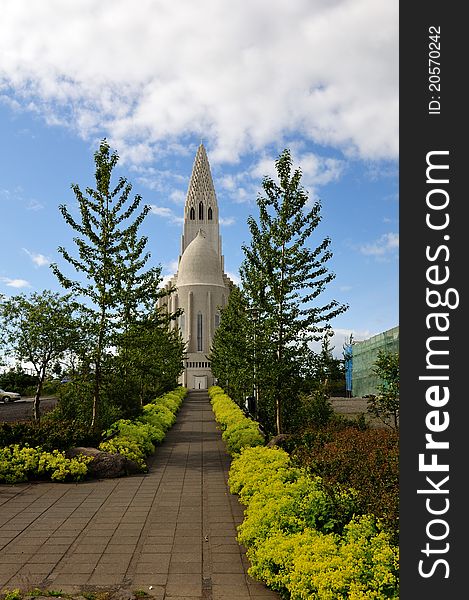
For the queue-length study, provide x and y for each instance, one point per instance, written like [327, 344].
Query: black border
[421, 132]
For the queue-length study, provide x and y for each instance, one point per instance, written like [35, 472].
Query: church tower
[202, 288]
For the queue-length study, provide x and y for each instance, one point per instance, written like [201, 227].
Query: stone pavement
[169, 533]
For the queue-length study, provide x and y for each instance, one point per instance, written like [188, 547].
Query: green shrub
[19, 464]
[238, 430]
[136, 439]
[359, 565]
[258, 467]
[140, 433]
[16, 380]
[366, 460]
[158, 414]
[133, 439]
[291, 507]
[280, 497]
[60, 468]
[127, 447]
[301, 535]
[241, 435]
[50, 434]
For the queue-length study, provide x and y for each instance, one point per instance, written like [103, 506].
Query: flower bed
[134, 439]
[304, 539]
[238, 430]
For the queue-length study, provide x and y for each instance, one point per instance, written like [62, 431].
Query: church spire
[201, 208]
[201, 188]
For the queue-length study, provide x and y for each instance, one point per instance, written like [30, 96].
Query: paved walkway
[170, 533]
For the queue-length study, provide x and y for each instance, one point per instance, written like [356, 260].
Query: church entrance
[200, 382]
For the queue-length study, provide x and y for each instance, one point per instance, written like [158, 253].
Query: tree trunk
[97, 375]
[95, 398]
[37, 397]
[280, 342]
[277, 410]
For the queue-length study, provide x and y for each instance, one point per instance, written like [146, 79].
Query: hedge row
[304, 542]
[48, 434]
[19, 464]
[238, 430]
[305, 538]
[136, 439]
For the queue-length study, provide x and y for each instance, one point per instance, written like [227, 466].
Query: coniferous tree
[232, 349]
[111, 257]
[283, 277]
[149, 358]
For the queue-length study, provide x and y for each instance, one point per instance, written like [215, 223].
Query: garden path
[169, 533]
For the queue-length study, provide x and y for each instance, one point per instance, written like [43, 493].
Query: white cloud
[15, 283]
[235, 278]
[17, 195]
[386, 244]
[245, 186]
[227, 221]
[177, 196]
[316, 170]
[169, 269]
[341, 336]
[166, 213]
[34, 205]
[241, 75]
[38, 259]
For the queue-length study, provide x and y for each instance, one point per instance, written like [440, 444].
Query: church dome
[199, 264]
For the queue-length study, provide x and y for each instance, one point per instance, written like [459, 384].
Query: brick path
[170, 533]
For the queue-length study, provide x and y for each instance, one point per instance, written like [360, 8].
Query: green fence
[364, 355]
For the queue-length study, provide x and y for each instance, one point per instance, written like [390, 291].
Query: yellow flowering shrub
[128, 447]
[358, 565]
[257, 468]
[158, 415]
[302, 537]
[19, 464]
[238, 430]
[136, 439]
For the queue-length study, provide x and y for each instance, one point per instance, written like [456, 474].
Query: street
[22, 410]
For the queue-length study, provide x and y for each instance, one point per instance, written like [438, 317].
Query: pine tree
[111, 256]
[283, 278]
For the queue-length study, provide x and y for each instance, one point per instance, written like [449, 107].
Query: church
[202, 287]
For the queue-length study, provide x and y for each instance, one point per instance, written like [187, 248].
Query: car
[8, 396]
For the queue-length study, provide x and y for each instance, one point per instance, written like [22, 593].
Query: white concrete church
[202, 287]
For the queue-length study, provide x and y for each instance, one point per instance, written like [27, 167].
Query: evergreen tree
[149, 359]
[111, 256]
[283, 277]
[232, 348]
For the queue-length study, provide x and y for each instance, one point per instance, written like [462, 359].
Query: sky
[248, 79]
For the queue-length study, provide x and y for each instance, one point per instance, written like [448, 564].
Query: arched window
[209, 213]
[192, 214]
[201, 211]
[199, 332]
[217, 320]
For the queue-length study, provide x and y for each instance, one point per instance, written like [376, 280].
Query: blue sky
[249, 79]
